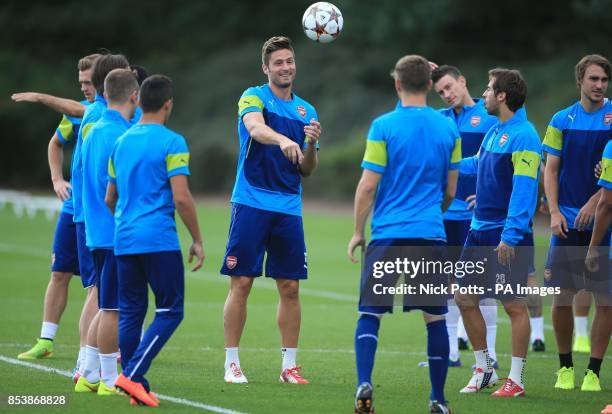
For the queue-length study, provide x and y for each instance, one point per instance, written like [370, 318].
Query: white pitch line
[176, 400]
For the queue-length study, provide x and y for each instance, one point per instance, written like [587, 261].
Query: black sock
[565, 360]
[595, 365]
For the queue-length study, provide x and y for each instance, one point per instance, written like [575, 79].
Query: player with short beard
[278, 134]
[574, 143]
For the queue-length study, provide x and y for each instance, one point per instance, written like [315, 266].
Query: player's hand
[292, 151]
[25, 97]
[598, 170]
[585, 216]
[357, 241]
[62, 189]
[558, 225]
[471, 200]
[592, 260]
[196, 250]
[433, 65]
[505, 254]
[313, 131]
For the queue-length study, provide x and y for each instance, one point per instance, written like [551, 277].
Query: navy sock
[437, 353]
[366, 340]
[595, 365]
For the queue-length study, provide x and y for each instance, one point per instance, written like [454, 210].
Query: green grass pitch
[191, 365]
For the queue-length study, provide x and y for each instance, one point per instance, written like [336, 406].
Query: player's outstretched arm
[558, 223]
[186, 209]
[451, 189]
[603, 219]
[55, 154]
[364, 199]
[311, 160]
[62, 105]
[258, 130]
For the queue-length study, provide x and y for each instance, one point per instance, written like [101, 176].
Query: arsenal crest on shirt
[503, 139]
[302, 111]
[475, 121]
[608, 118]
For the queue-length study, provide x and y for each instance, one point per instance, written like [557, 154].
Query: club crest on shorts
[503, 140]
[302, 111]
[608, 118]
[231, 262]
[475, 121]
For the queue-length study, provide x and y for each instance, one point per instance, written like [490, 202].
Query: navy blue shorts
[86, 264]
[389, 250]
[253, 233]
[565, 261]
[106, 275]
[163, 271]
[497, 281]
[65, 255]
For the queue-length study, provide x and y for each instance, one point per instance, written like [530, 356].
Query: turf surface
[191, 365]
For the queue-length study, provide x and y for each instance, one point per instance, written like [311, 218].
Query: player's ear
[462, 80]
[398, 86]
[265, 69]
[429, 85]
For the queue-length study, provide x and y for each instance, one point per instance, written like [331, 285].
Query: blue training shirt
[579, 138]
[413, 148]
[66, 131]
[266, 179]
[141, 165]
[97, 148]
[92, 114]
[473, 122]
[508, 167]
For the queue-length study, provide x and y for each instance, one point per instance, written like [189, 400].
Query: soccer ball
[322, 22]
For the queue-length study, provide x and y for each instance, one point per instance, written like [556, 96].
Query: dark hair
[444, 70]
[103, 66]
[88, 61]
[589, 60]
[512, 83]
[413, 72]
[119, 85]
[155, 91]
[272, 45]
[140, 72]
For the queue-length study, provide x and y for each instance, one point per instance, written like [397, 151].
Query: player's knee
[60, 278]
[289, 290]
[516, 309]
[241, 286]
[465, 301]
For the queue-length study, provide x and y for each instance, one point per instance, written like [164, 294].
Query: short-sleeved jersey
[508, 166]
[473, 122]
[141, 165]
[66, 131]
[92, 114]
[266, 179]
[413, 148]
[605, 180]
[97, 148]
[579, 138]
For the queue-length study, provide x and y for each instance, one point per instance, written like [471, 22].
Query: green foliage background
[212, 51]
